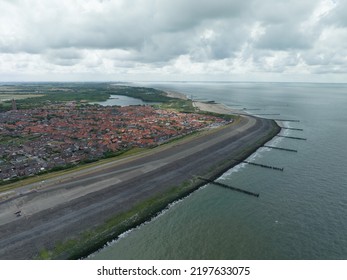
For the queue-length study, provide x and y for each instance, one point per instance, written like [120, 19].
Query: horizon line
[168, 81]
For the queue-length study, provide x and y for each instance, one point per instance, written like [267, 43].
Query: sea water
[301, 213]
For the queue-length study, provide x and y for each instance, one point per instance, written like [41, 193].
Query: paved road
[73, 205]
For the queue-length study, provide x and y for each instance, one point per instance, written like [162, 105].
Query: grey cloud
[155, 33]
[129, 26]
[182, 14]
[283, 11]
[210, 40]
[284, 37]
[53, 26]
[278, 63]
[338, 16]
[139, 24]
[326, 58]
[288, 25]
[329, 69]
[219, 40]
[318, 58]
[164, 46]
[63, 57]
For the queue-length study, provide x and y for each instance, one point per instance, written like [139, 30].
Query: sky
[173, 40]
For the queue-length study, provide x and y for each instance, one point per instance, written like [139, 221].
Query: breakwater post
[261, 165]
[281, 120]
[291, 137]
[283, 149]
[267, 114]
[228, 187]
[290, 128]
[264, 165]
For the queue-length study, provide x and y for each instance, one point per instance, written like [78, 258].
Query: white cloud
[168, 39]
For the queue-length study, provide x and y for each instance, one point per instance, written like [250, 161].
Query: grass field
[7, 97]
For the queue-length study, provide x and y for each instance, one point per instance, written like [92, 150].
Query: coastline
[217, 108]
[214, 108]
[175, 94]
[143, 208]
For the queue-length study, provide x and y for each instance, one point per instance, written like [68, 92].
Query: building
[14, 105]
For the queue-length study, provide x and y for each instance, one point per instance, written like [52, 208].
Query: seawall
[151, 208]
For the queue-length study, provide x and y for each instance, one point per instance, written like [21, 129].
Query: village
[57, 136]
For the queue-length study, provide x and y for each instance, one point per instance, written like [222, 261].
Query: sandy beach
[213, 107]
[178, 95]
[206, 106]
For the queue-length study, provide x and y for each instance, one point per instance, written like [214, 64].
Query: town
[61, 135]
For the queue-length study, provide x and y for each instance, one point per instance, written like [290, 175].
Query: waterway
[300, 213]
[122, 100]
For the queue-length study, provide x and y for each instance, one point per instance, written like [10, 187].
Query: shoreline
[175, 94]
[218, 108]
[214, 108]
[144, 206]
[194, 186]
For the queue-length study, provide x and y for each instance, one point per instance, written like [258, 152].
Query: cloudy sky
[229, 40]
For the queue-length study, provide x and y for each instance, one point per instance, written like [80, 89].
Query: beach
[206, 106]
[214, 108]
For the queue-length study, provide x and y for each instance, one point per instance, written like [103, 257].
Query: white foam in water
[235, 169]
[265, 149]
[239, 167]
[256, 155]
[158, 215]
[286, 132]
[275, 141]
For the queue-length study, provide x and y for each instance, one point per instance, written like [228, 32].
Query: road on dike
[65, 207]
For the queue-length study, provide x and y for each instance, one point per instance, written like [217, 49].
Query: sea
[301, 213]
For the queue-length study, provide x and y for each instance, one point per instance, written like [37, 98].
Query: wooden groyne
[261, 165]
[264, 165]
[268, 114]
[228, 187]
[291, 137]
[282, 120]
[290, 128]
[282, 149]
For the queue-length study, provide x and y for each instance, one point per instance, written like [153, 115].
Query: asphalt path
[81, 202]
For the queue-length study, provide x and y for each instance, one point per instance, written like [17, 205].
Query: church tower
[14, 105]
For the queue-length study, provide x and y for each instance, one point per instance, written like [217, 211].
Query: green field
[9, 97]
[29, 96]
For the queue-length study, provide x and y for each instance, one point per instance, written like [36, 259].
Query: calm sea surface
[301, 213]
